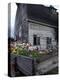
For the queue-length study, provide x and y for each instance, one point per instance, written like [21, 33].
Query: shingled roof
[42, 13]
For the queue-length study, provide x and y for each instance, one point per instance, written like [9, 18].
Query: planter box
[26, 65]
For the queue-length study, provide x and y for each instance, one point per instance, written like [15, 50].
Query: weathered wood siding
[42, 32]
[26, 65]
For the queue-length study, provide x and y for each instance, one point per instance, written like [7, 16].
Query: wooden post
[33, 66]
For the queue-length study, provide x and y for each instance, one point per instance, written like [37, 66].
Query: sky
[13, 14]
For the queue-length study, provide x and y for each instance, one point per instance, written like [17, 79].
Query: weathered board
[26, 65]
[29, 66]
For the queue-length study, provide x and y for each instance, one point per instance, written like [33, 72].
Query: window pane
[38, 40]
[48, 42]
[34, 39]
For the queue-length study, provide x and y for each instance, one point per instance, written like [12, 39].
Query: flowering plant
[25, 50]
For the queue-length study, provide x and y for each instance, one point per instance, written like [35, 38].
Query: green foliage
[35, 54]
[22, 51]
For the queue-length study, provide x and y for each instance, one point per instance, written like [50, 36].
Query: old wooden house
[36, 24]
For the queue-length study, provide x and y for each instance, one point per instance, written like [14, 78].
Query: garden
[26, 57]
[28, 50]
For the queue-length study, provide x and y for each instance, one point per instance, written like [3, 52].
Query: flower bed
[23, 50]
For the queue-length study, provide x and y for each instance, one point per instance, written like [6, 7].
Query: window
[48, 42]
[36, 40]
